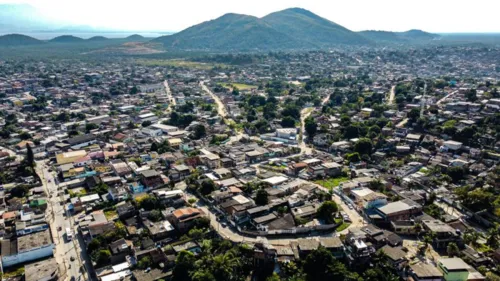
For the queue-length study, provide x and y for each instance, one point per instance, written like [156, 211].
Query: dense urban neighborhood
[349, 164]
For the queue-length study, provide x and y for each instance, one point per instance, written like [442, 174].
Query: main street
[221, 110]
[68, 254]
[304, 113]
[171, 98]
[392, 93]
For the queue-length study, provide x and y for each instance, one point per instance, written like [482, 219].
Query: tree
[133, 90]
[288, 122]
[144, 262]
[199, 132]
[155, 215]
[363, 146]
[431, 199]
[93, 245]
[90, 126]
[30, 158]
[224, 266]
[327, 210]
[273, 277]
[146, 123]
[154, 147]
[413, 114]
[321, 265]
[353, 157]
[103, 257]
[203, 275]
[470, 237]
[184, 263]
[261, 197]
[207, 186]
[101, 188]
[310, 126]
[456, 173]
[492, 238]
[470, 95]
[453, 250]
[25, 136]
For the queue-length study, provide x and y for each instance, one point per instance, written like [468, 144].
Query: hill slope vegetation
[288, 29]
[18, 40]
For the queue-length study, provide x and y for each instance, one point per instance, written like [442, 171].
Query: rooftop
[424, 270]
[35, 240]
[454, 264]
[40, 270]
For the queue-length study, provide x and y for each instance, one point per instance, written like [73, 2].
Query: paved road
[221, 110]
[446, 97]
[59, 219]
[402, 123]
[170, 97]
[304, 113]
[232, 234]
[390, 101]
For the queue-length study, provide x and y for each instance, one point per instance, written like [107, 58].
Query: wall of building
[23, 257]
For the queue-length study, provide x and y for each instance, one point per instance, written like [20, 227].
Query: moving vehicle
[69, 234]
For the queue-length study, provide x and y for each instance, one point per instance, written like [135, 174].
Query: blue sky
[167, 15]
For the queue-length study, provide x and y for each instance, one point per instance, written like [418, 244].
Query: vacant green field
[240, 86]
[179, 63]
[331, 183]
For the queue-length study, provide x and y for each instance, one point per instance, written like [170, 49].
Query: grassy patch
[482, 248]
[18, 271]
[343, 226]
[238, 85]
[111, 214]
[331, 183]
[179, 63]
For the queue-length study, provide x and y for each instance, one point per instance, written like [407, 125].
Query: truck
[69, 234]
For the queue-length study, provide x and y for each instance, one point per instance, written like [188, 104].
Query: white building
[164, 128]
[29, 247]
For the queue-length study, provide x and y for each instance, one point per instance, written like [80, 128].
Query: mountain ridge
[293, 28]
[15, 39]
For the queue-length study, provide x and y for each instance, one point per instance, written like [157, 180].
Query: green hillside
[288, 29]
[307, 26]
[18, 40]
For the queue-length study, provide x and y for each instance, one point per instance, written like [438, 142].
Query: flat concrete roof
[35, 240]
[454, 264]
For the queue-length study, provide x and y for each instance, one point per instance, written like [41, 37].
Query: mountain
[288, 29]
[383, 36]
[312, 28]
[410, 36]
[97, 38]
[18, 40]
[135, 37]
[66, 39]
[416, 34]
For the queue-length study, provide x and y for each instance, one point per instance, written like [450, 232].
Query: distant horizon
[356, 15]
[46, 35]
